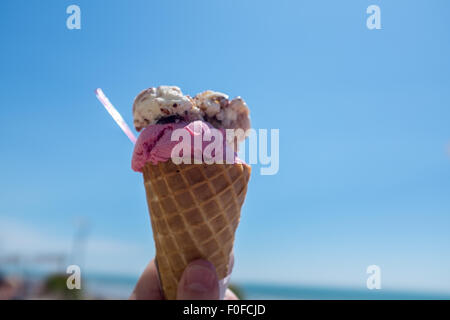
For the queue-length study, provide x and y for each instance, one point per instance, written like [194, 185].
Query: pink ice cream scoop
[155, 143]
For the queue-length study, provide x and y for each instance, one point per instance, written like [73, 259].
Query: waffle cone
[194, 212]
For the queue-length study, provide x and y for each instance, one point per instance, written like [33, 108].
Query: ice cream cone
[194, 211]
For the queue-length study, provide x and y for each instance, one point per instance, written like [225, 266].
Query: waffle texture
[194, 210]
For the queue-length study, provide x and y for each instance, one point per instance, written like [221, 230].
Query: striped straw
[115, 114]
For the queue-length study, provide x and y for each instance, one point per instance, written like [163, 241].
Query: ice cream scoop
[155, 145]
[218, 110]
[153, 104]
[156, 105]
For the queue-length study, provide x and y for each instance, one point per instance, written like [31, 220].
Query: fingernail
[200, 279]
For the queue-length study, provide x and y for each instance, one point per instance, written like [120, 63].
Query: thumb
[199, 282]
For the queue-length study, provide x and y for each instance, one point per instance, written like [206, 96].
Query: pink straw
[115, 114]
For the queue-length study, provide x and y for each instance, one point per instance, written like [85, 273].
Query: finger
[229, 295]
[199, 282]
[148, 287]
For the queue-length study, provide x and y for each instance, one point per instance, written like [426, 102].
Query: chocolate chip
[170, 119]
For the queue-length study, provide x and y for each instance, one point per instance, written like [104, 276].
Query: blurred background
[364, 176]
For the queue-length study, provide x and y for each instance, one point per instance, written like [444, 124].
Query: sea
[103, 286]
[120, 287]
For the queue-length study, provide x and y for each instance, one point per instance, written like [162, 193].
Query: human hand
[198, 282]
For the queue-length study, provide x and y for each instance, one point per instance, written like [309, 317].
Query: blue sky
[363, 116]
